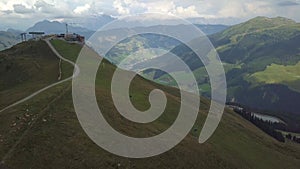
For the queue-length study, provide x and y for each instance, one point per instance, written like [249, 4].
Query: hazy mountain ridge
[147, 43]
[211, 29]
[9, 38]
[56, 27]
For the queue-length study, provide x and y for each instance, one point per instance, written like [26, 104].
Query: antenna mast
[67, 29]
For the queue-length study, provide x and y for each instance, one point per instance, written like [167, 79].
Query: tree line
[291, 123]
[267, 126]
[293, 138]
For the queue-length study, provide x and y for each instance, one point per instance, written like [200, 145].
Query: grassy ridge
[24, 69]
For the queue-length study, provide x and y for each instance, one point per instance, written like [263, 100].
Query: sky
[21, 14]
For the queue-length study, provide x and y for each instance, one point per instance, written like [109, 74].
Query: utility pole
[72, 24]
[23, 37]
[67, 29]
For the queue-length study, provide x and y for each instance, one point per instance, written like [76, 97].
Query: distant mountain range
[211, 29]
[9, 38]
[55, 27]
[90, 25]
[58, 27]
[147, 42]
[85, 26]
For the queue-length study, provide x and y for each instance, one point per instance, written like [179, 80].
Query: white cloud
[19, 8]
[82, 9]
[190, 11]
[235, 8]
[45, 7]
[166, 7]
[119, 5]
[125, 7]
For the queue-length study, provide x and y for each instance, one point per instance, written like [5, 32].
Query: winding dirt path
[75, 74]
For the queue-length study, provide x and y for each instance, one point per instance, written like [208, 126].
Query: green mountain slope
[270, 40]
[24, 69]
[49, 135]
[266, 54]
[261, 58]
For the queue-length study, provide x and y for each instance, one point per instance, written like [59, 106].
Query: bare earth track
[76, 72]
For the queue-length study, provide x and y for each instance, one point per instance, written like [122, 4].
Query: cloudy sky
[21, 14]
